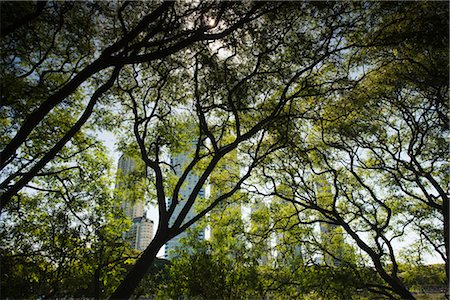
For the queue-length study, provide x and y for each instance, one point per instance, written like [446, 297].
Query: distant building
[288, 252]
[331, 235]
[132, 197]
[179, 163]
[222, 180]
[133, 210]
[260, 223]
[141, 232]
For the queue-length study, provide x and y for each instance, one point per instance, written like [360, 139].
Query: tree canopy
[327, 120]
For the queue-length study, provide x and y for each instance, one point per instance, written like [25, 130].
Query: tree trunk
[445, 212]
[394, 282]
[134, 277]
[97, 283]
[399, 288]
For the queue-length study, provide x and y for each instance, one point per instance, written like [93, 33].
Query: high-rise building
[222, 180]
[132, 198]
[288, 250]
[141, 232]
[331, 235]
[179, 163]
[260, 223]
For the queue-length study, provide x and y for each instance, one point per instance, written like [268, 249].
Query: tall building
[331, 235]
[288, 251]
[132, 197]
[179, 163]
[222, 180]
[260, 223]
[141, 232]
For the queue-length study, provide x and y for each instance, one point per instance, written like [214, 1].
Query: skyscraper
[141, 232]
[179, 163]
[331, 235]
[260, 223]
[222, 180]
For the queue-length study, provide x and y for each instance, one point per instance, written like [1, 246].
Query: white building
[331, 235]
[179, 162]
[141, 232]
[259, 228]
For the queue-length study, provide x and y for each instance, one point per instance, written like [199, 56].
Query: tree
[270, 83]
[60, 61]
[81, 49]
[213, 90]
[424, 278]
[208, 272]
[380, 144]
[66, 237]
[235, 263]
[303, 263]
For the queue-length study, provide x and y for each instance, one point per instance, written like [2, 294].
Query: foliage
[329, 117]
[237, 266]
[66, 237]
[421, 278]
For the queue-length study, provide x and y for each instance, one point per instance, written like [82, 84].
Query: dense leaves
[326, 120]
[65, 238]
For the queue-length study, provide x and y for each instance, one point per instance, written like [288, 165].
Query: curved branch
[13, 190]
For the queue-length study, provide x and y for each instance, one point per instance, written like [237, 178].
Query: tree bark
[445, 212]
[135, 275]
